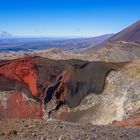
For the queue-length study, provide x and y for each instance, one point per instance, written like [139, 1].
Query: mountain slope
[115, 51]
[123, 46]
[130, 34]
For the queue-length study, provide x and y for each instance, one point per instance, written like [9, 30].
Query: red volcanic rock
[23, 71]
[129, 122]
[16, 106]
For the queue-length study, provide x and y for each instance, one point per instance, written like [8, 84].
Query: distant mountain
[80, 43]
[5, 34]
[130, 34]
[123, 46]
[26, 44]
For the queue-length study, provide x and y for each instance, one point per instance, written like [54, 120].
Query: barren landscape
[58, 130]
[92, 93]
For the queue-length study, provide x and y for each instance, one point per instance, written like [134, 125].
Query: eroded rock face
[41, 79]
[119, 102]
[15, 105]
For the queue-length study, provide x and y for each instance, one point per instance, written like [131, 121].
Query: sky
[67, 17]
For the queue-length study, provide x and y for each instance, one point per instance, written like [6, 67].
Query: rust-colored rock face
[16, 106]
[22, 71]
[129, 122]
[39, 79]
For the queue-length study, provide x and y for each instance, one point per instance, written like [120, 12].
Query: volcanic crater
[36, 81]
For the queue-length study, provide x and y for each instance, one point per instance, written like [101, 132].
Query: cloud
[5, 34]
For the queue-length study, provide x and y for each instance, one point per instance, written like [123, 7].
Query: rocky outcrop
[119, 102]
[41, 79]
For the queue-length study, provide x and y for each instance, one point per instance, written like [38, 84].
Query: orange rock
[130, 122]
[23, 71]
